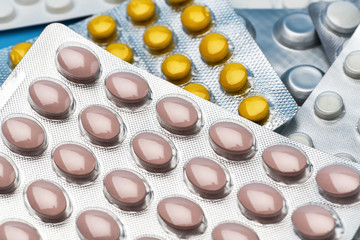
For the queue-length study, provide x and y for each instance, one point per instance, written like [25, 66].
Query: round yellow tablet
[121, 50]
[141, 10]
[18, 52]
[233, 77]
[196, 18]
[255, 108]
[177, 1]
[176, 67]
[158, 37]
[214, 47]
[198, 90]
[102, 27]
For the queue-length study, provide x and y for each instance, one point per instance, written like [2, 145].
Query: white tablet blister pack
[330, 116]
[23, 13]
[335, 23]
[266, 4]
[123, 154]
[289, 41]
[169, 42]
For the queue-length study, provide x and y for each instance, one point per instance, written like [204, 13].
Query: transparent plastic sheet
[340, 134]
[146, 223]
[264, 80]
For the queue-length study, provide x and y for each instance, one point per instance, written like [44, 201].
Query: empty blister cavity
[196, 18]
[302, 138]
[342, 17]
[329, 105]
[233, 231]
[314, 222]
[207, 178]
[127, 190]
[141, 10]
[9, 175]
[296, 31]
[127, 90]
[339, 183]
[51, 98]
[78, 64]
[181, 216]
[352, 65]
[214, 48]
[102, 126]
[13, 229]
[179, 115]
[261, 202]
[154, 152]
[232, 140]
[301, 81]
[96, 224]
[48, 201]
[75, 163]
[102, 29]
[24, 135]
[286, 163]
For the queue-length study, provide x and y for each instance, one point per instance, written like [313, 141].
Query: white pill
[251, 3]
[7, 11]
[296, 3]
[329, 105]
[302, 138]
[58, 6]
[352, 64]
[26, 2]
[342, 17]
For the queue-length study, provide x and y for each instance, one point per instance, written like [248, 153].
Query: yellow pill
[198, 90]
[121, 50]
[195, 18]
[18, 52]
[177, 1]
[102, 27]
[255, 108]
[158, 37]
[214, 47]
[176, 67]
[233, 77]
[141, 10]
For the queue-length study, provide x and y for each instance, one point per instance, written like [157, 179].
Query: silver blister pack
[262, 79]
[335, 23]
[331, 112]
[289, 41]
[202, 213]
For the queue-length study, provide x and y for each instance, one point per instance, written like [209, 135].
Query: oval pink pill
[8, 176]
[24, 136]
[285, 160]
[50, 99]
[233, 231]
[232, 141]
[78, 64]
[16, 230]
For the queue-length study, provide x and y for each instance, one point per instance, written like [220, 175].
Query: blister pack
[330, 116]
[115, 151]
[22, 13]
[211, 55]
[266, 4]
[289, 41]
[335, 23]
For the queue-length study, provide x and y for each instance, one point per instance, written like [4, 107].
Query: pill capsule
[254, 108]
[233, 231]
[313, 222]
[196, 18]
[338, 181]
[18, 52]
[16, 230]
[180, 213]
[176, 67]
[9, 178]
[50, 99]
[141, 10]
[158, 37]
[199, 90]
[121, 50]
[102, 27]
[48, 201]
[214, 47]
[233, 77]
[97, 224]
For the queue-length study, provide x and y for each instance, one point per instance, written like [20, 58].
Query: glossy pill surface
[141, 10]
[214, 47]
[8, 175]
[233, 231]
[199, 90]
[121, 50]
[158, 37]
[233, 77]
[18, 52]
[16, 230]
[176, 67]
[196, 18]
[254, 108]
[102, 27]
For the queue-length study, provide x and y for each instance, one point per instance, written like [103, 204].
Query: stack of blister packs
[159, 119]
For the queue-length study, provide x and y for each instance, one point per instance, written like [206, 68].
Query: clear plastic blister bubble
[10, 178]
[12, 228]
